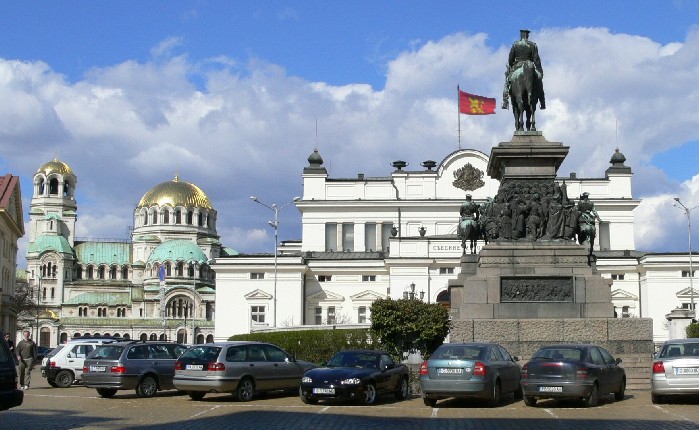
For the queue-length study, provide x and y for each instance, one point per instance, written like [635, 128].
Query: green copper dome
[177, 250]
[50, 242]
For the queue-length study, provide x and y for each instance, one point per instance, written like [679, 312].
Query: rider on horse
[521, 51]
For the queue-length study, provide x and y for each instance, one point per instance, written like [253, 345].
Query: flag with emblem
[471, 104]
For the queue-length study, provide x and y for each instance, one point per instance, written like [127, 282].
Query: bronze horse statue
[468, 230]
[523, 95]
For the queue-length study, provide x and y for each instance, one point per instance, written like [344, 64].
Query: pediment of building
[257, 295]
[325, 295]
[366, 296]
[620, 294]
[687, 292]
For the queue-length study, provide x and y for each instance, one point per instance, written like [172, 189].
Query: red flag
[471, 104]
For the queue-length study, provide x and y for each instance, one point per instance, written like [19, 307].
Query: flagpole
[458, 112]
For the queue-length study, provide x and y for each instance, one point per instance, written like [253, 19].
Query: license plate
[686, 370]
[194, 367]
[551, 389]
[449, 371]
[98, 368]
[323, 391]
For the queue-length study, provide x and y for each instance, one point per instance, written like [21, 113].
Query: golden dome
[55, 166]
[175, 193]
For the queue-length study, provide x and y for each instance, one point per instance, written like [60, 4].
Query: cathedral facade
[157, 284]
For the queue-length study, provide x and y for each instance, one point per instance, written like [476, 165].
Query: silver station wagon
[144, 366]
[676, 370]
[241, 368]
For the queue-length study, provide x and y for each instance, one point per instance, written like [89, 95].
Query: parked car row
[462, 370]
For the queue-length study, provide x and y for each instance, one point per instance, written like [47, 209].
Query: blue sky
[229, 92]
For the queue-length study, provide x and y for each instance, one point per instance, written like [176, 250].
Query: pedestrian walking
[26, 354]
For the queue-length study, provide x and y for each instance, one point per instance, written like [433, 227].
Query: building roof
[103, 252]
[100, 299]
[177, 250]
[175, 193]
[11, 203]
[55, 166]
[49, 242]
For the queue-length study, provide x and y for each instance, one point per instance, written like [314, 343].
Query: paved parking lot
[48, 408]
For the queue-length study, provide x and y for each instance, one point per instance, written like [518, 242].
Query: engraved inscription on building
[536, 289]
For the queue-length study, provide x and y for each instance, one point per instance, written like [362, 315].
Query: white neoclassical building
[90, 287]
[369, 237]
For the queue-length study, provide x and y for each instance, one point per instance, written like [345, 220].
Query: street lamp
[38, 305]
[688, 211]
[275, 226]
[409, 292]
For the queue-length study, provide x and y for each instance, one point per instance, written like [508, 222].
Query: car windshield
[671, 350]
[354, 359]
[201, 353]
[107, 352]
[559, 353]
[458, 352]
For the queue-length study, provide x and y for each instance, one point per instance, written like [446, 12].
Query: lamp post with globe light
[275, 226]
[688, 212]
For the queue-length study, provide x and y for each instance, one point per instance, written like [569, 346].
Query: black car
[10, 395]
[572, 371]
[362, 375]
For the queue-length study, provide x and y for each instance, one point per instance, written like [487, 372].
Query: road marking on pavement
[435, 412]
[548, 411]
[323, 409]
[673, 414]
[206, 411]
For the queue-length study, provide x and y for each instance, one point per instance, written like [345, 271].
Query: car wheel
[530, 401]
[64, 379]
[429, 402]
[52, 382]
[369, 397]
[619, 395]
[402, 391]
[245, 390]
[496, 395]
[107, 393]
[519, 394]
[147, 387]
[305, 399]
[196, 395]
[656, 399]
[592, 400]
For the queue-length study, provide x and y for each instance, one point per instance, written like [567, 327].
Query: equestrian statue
[524, 82]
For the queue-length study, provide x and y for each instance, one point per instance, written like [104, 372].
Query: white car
[64, 364]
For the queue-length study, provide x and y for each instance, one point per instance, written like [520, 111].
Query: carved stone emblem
[536, 289]
[468, 178]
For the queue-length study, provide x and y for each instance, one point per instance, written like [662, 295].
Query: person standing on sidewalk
[26, 354]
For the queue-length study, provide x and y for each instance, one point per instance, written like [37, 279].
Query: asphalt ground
[78, 407]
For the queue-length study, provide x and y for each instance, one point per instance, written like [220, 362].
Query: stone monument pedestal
[528, 289]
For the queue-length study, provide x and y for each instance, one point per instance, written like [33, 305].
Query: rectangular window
[361, 315]
[368, 278]
[331, 315]
[348, 237]
[617, 277]
[319, 315]
[325, 278]
[625, 312]
[688, 305]
[257, 314]
[685, 273]
[446, 270]
[257, 275]
[370, 237]
[331, 237]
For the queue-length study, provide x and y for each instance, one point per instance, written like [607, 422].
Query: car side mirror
[515, 358]
[617, 361]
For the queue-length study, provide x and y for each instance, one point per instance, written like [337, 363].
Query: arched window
[178, 216]
[100, 272]
[79, 272]
[53, 187]
[210, 338]
[143, 336]
[166, 216]
[43, 294]
[144, 215]
[179, 269]
[113, 272]
[125, 272]
[53, 292]
[190, 270]
[190, 214]
[200, 338]
[154, 217]
[153, 336]
[200, 219]
[42, 186]
[66, 189]
[90, 272]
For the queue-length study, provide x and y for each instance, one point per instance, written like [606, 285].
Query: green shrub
[693, 330]
[316, 346]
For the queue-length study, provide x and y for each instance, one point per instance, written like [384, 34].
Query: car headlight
[351, 381]
[306, 380]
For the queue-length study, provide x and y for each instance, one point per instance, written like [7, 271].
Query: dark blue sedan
[361, 375]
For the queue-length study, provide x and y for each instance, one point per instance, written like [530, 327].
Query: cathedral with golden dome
[157, 284]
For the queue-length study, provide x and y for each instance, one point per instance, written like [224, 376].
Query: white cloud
[250, 128]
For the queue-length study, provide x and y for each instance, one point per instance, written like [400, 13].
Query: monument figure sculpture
[467, 229]
[524, 82]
